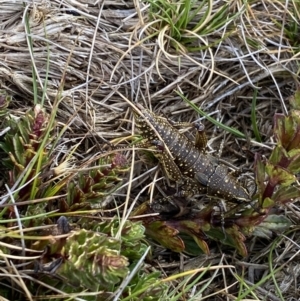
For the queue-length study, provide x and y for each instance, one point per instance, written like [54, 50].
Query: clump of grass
[184, 24]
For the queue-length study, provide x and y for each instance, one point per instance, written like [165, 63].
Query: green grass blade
[184, 11]
[47, 69]
[212, 120]
[253, 117]
[193, 13]
[34, 76]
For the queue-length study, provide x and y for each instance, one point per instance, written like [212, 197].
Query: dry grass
[114, 50]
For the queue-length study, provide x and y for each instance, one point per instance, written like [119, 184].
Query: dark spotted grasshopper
[186, 163]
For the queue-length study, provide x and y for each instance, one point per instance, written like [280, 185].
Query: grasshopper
[186, 162]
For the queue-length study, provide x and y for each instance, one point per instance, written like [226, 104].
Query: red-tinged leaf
[279, 156]
[63, 205]
[294, 165]
[295, 141]
[194, 225]
[194, 245]
[278, 175]
[201, 244]
[286, 194]
[165, 235]
[284, 129]
[178, 235]
[287, 130]
[252, 219]
[85, 183]
[269, 191]
[260, 174]
[76, 197]
[236, 238]
[231, 237]
[195, 228]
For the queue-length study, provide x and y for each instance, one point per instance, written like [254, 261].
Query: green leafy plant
[91, 258]
[94, 260]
